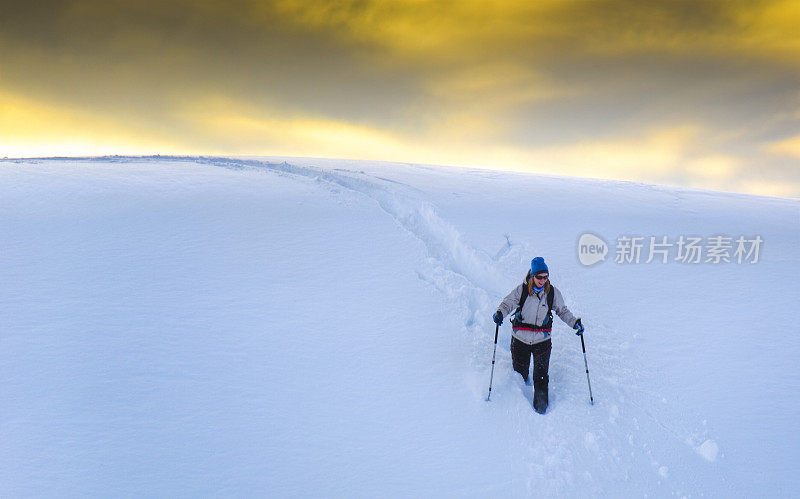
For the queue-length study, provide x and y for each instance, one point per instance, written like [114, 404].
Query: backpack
[524, 296]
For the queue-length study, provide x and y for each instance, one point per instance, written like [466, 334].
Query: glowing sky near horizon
[699, 94]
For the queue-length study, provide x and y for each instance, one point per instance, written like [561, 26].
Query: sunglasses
[541, 277]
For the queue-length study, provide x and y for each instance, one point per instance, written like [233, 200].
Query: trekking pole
[496, 330]
[583, 345]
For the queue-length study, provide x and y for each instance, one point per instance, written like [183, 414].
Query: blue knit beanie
[538, 266]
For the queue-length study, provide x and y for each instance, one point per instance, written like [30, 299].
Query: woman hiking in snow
[533, 302]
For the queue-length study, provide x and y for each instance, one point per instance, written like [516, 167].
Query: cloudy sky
[695, 93]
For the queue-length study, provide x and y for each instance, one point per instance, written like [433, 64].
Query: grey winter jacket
[535, 312]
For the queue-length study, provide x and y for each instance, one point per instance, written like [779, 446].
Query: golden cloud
[788, 147]
[33, 128]
[449, 31]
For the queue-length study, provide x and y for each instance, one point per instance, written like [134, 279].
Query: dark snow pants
[521, 357]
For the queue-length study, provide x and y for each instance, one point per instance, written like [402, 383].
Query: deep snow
[223, 326]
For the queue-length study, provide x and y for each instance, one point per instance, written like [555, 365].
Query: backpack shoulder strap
[522, 297]
[550, 297]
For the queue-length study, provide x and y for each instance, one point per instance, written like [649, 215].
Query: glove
[498, 317]
[579, 327]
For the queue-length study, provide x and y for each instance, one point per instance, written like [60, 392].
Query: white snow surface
[303, 328]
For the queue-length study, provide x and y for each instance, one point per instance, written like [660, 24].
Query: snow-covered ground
[212, 326]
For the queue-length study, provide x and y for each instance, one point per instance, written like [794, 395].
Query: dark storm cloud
[141, 56]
